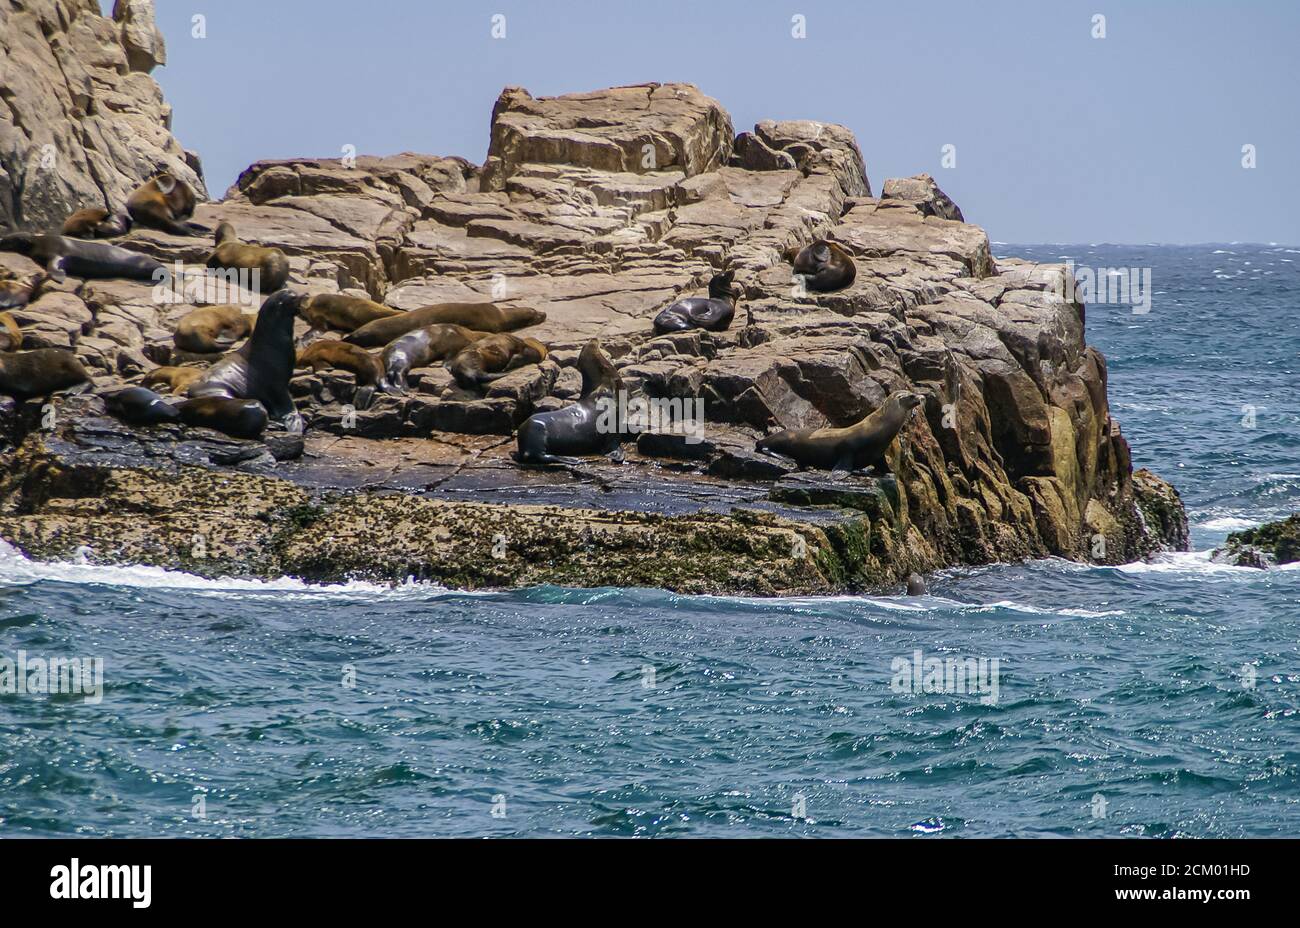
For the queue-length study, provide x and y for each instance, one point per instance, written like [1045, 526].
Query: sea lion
[326, 353]
[15, 293]
[713, 314]
[269, 264]
[481, 317]
[63, 256]
[11, 336]
[847, 449]
[577, 428]
[825, 266]
[491, 358]
[140, 406]
[211, 329]
[420, 348]
[164, 202]
[96, 222]
[916, 585]
[39, 372]
[338, 312]
[260, 369]
[235, 417]
[176, 379]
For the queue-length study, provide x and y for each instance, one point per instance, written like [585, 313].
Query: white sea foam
[18, 570]
[1228, 524]
[1193, 562]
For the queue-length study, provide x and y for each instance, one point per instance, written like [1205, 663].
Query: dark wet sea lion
[63, 256]
[846, 449]
[916, 585]
[493, 357]
[140, 406]
[176, 379]
[338, 312]
[825, 266]
[422, 347]
[270, 264]
[39, 372]
[235, 417]
[326, 353]
[575, 429]
[481, 317]
[212, 329]
[261, 368]
[96, 222]
[11, 336]
[164, 202]
[713, 314]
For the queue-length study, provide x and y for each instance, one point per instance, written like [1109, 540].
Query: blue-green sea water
[1153, 700]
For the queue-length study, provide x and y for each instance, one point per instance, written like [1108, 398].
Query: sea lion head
[906, 400]
[597, 370]
[279, 310]
[22, 243]
[720, 286]
[534, 316]
[225, 232]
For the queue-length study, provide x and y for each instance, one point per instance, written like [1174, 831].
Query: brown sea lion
[176, 379]
[326, 312]
[96, 222]
[270, 266]
[846, 449]
[481, 317]
[62, 256]
[577, 428]
[825, 266]
[39, 372]
[261, 368]
[491, 358]
[15, 293]
[11, 336]
[235, 417]
[164, 202]
[212, 329]
[326, 353]
[713, 314]
[420, 348]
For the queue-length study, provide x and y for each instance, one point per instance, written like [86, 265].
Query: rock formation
[601, 208]
[81, 121]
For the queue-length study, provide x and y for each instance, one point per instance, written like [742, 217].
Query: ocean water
[1151, 700]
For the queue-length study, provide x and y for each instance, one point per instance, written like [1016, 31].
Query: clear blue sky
[1060, 137]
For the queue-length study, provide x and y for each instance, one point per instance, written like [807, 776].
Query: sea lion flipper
[364, 397]
[56, 270]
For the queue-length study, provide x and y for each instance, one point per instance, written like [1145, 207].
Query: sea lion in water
[338, 312]
[261, 368]
[825, 266]
[269, 264]
[96, 222]
[847, 449]
[916, 585]
[420, 348]
[235, 417]
[211, 329]
[140, 406]
[164, 202]
[63, 256]
[481, 317]
[493, 357]
[11, 336]
[39, 372]
[176, 379]
[713, 314]
[575, 429]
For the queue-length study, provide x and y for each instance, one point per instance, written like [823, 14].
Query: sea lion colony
[242, 389]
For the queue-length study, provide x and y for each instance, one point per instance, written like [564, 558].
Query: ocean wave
[16, 569]
[1194, 562]
[1227, 524]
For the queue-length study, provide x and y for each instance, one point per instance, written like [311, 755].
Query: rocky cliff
[600, 208]
[81, 121]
